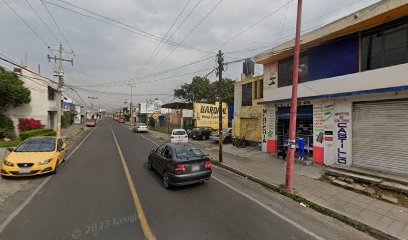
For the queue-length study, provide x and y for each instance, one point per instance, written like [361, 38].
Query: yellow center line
[143, 221]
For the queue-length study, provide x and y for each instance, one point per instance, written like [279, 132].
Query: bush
[25, 124]
[36, 132]
[6, 126]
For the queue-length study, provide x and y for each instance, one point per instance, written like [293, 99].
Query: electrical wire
[43, 22]
[191, 31]
[118, 83]
[127, 26]
[26, 24]
[159, 46]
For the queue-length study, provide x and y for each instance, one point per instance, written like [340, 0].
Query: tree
[204, 91]
[13, 93]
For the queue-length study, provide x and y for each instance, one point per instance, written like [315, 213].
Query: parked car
[202, 133]
[180, 164]
[121, 120]
[178, 136]
[34, 156]
[140, 127]
[226, 134]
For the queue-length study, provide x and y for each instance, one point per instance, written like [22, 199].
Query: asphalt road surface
[102, 192]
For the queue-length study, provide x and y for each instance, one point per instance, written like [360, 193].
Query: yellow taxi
[34, 156]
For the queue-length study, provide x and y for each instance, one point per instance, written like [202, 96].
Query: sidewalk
[381, 218]
[74, 128]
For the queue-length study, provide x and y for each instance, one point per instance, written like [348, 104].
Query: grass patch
[165, 129]
[9, 144]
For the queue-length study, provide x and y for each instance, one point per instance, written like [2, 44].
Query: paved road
[90, 198]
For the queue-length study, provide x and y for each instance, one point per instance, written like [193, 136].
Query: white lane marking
[270, 210]
[28, 200]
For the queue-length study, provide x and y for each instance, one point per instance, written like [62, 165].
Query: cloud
[108, 54]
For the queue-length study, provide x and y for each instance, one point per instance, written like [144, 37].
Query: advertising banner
[206, 115]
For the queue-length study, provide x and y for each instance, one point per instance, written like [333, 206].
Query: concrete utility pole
[293, 105]
[220, 97]
[59, 72]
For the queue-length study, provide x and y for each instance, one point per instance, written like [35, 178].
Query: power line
[43, 22]
[25, 23]
[161, 41]
[191, 31]
[145, 76]
[160, 79]
[127, 26]
[56, 24]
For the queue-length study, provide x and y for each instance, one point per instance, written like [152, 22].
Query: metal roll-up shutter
[380, 135]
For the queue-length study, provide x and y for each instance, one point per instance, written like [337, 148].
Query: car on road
[178, 136]
[140, 127]
[121, 120]
[202, 133]
[90, 122]
[180, 164]
[34, 156]
[226, 134]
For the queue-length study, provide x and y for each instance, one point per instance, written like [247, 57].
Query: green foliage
[204, 91]
[152, 122]
[127, 117]
[66, 119]
[6, 126]
[36, 132]
[9, 144]
[13, 93]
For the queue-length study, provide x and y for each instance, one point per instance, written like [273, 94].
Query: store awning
[178, 105]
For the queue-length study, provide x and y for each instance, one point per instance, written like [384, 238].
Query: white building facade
[353, 90]
[45, 104]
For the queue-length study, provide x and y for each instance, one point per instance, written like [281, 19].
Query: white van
[178, 136]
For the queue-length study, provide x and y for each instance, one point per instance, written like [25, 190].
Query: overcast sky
[108, 57]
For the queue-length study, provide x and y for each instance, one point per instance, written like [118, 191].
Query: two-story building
[45, 104]
[353, 90]
[247, 121]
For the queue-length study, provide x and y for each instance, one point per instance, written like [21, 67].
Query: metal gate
[380, 135]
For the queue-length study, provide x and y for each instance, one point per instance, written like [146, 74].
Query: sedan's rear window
[179, 132]
[141, 124]
[37, 145]
[188, 152]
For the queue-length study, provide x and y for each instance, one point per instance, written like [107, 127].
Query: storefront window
[285, 70]
[385, 46]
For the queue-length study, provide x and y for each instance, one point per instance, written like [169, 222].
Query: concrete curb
[335, 214]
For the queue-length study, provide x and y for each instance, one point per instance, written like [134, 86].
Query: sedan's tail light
[207, 165]
[180, 168]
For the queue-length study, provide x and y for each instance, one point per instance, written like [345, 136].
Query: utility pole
[59, 72]
[131, 105]
[220, 61]
[293, 105]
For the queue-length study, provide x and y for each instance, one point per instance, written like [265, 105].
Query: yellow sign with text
[207, 115]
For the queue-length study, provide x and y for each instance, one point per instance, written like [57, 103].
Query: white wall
[393, 76]
[39, 105]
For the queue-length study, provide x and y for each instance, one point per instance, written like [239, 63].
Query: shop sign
[342, 120]
[207, 115]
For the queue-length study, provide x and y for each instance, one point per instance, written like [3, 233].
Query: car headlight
[7, 163]
[45, 162]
